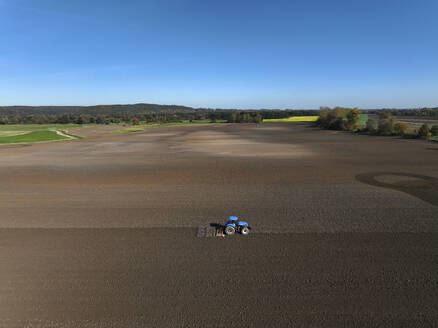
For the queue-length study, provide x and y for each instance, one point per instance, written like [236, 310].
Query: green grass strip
[40, 127]
[363, 118]
[34, 136]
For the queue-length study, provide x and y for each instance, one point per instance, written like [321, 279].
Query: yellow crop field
[293, 119]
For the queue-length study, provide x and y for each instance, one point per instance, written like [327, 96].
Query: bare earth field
[101, 232]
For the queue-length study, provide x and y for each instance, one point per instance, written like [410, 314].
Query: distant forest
[152, 113]
[421, 112]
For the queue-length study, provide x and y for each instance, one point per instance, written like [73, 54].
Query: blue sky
[229, 54]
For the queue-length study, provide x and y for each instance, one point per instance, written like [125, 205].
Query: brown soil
[345, 229]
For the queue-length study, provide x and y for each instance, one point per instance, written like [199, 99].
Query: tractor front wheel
[244, 231]
[229, 230]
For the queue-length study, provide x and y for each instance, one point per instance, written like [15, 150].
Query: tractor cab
[234, 225]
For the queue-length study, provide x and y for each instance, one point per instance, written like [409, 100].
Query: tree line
[386, 124]
[422, 112]
[337, 118]
[134, 114]
[132, 118]
[346, 119]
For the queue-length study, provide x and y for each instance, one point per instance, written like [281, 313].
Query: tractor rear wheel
[244, 231]
[229, 230]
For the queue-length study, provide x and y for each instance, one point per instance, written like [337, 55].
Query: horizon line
[219, 108]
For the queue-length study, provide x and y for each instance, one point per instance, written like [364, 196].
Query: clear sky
[220, 53]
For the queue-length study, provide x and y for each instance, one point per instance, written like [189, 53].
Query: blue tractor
[234, 225]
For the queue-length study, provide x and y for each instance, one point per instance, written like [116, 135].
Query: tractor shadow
[421, 186]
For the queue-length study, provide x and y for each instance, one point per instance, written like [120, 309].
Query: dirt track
[345, 229]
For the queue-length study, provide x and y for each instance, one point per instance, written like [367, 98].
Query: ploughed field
[102, 231]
